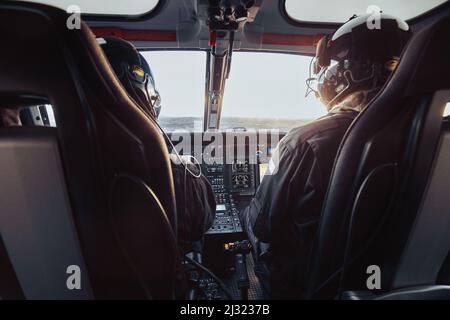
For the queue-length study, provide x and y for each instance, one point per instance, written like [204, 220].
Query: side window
[447, 110]
[41, 115]
[49, 115]
[28, 115]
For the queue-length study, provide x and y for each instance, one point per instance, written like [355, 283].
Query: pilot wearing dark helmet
[350, 67]
[195, 199]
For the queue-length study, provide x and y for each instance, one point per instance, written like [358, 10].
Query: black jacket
[196, 207]
[282, 219]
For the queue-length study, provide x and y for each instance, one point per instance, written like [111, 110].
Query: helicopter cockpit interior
[86, 185]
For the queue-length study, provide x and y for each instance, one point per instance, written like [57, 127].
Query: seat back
[381, 172]
[428, 243]
[38, 238]
[101, 136]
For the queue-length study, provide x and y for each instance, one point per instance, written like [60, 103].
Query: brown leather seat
[114, 161]
[375, 211]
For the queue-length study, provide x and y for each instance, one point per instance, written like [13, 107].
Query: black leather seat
[97, 190]
[377, 209]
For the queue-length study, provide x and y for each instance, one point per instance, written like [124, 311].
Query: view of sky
[262, 85]
[341, 11]
[129, 7]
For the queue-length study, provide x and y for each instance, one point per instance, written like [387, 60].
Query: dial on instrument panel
[241, 180]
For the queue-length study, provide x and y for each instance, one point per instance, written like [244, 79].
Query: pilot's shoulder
[329, 127]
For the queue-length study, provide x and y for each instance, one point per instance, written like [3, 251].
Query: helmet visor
[321, 75]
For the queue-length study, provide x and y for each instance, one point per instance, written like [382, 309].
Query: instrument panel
[241, 178]
[234, 185]
[234, 164]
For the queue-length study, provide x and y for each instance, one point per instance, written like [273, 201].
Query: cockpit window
[104, 7]
[267, 91]
[180, 80]
[264, 91]
[333, 11]
[447, 110]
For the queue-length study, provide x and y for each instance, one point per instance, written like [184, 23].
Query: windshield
[180, 80]
[264, 91]
[267, 91]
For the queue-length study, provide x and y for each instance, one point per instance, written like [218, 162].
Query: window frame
[120, 17]
[334, 25]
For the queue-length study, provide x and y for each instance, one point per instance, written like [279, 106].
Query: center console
[234, 186]
[226, 249]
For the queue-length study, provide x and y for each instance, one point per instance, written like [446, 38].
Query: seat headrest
[64, 58]
[428, 56]
[423, 69]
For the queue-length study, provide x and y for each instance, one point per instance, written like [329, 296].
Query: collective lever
[240, 249]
